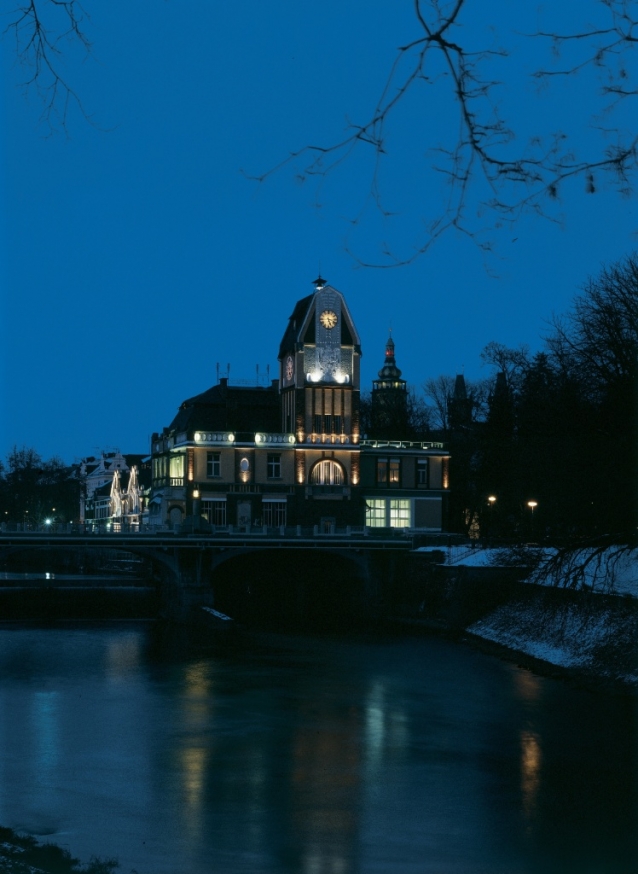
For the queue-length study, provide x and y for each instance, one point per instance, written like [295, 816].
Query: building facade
[290, 453]
[114, 490]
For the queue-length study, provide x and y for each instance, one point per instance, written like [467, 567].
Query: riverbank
[589, 633]
[592, 637]
[22, 854]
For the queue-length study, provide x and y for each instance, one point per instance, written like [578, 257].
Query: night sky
[136, 254]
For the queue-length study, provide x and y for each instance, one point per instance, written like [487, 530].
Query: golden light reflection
[193, 762]
[531, 760]
[198, 698]
[194, 759]
[528, 685]
[197, 679]
[325, 790]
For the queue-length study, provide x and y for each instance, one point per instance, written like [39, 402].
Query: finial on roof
[319, 283]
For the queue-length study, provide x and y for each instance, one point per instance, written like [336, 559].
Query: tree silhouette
[496, 169]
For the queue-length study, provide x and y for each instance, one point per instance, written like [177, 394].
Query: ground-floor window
[375, 513]
[399, 514]
[273, 513]
[214, 511]
[388, 513]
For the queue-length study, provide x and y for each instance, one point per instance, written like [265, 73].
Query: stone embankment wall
[592, 635]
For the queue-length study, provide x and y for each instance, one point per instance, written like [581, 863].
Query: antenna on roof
[218, 372]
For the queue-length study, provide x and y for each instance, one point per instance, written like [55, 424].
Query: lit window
[176, 466]
[382, 470]
[327, 473]
[400, 514]
[213, 464]
[375, 513]
[273, 466]
[394, 470]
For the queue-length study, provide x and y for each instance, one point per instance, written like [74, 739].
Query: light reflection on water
[282, 754]
[530, 771]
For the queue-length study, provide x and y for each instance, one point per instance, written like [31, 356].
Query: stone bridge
[250, 573]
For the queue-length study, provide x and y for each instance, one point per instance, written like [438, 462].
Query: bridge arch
[292, 587]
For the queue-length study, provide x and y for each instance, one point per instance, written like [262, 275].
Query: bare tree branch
[39, 28]
[487, 155]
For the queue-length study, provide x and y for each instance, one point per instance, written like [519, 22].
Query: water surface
[281, 753]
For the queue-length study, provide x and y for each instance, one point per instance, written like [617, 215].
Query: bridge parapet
[258, 538]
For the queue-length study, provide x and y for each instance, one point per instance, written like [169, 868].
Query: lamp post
[196, 510]
[491, 500]
[532, 505]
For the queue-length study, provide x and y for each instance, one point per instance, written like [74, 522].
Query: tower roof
[389, 369]
[301, 321]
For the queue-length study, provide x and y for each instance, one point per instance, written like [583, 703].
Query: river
[278, 753]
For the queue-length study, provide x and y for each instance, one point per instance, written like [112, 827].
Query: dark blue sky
[136, 255]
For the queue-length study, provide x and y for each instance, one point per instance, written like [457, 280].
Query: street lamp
[491, 500]
[532, 505]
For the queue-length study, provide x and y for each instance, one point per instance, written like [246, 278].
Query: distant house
[99, 507]
[290, 453]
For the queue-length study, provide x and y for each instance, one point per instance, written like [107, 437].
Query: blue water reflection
[275, 753]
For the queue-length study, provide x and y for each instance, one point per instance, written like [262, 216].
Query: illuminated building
[290, 453]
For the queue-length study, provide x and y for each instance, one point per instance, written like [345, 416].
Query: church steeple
[389, 417]
[389, 375]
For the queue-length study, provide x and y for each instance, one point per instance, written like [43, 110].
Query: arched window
[327, 473]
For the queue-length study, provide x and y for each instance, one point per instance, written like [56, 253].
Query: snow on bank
[613, 573]
[601, 643]
[578, 629]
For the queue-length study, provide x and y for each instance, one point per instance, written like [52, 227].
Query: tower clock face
[328, 319]
[289, 368]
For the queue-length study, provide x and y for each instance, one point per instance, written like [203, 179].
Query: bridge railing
[284, 531]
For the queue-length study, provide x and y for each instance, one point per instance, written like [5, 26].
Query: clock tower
[319, 370]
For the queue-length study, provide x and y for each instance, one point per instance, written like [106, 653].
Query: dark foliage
[561, 430]
[22, 854]
[32, 490]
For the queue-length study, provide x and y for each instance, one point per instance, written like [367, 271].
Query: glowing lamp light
[195, 494]
[198, 437]
[47, 521]
[258, 438]
[532, 505]
[231, 438]
[492, 500]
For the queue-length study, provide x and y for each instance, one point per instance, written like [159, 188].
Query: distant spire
[319, 283]
[390, 369]
[460, 391]
[389, 351]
